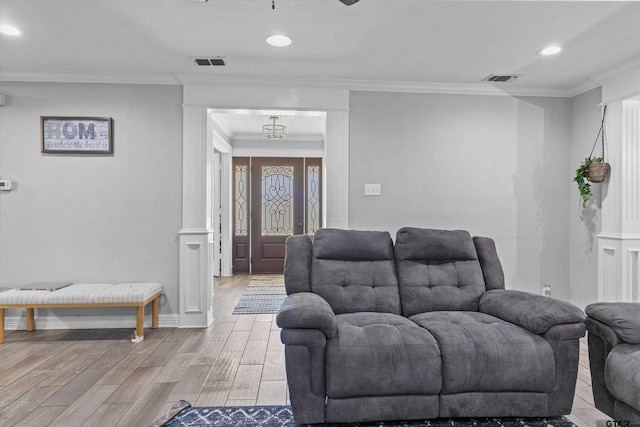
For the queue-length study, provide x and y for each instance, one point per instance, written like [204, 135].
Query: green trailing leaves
[582, 179]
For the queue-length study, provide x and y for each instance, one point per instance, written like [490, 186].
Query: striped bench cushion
[84, 293]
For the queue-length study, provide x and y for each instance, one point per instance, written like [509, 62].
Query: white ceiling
[246, 125]
[374, 42]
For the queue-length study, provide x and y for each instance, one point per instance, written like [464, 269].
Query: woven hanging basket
[598, 171]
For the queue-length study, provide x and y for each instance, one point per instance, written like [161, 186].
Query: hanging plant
[591, 170]
[582, 179]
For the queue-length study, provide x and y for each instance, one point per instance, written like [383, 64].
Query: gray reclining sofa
[423, 329]
[614, 359]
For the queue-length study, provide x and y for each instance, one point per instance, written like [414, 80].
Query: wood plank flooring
[99, 378]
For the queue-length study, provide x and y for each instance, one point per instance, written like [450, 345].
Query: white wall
[494, 165]
[585, 122]
[85, 218]
[277, 148]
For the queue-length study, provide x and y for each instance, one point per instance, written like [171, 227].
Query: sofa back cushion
[437, 270]
[355, 271]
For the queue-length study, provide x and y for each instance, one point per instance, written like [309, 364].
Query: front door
[283, 198]
[277, 210]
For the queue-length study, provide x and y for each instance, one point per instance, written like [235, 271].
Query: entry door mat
[266, 280]
[260, 300]
[281, 416]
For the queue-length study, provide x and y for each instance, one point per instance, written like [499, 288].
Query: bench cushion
[84, 293]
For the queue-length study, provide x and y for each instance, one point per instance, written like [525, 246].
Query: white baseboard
[89, 322]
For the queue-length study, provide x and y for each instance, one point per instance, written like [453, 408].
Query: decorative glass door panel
[241, 214]
[277, 200]
[313, 195]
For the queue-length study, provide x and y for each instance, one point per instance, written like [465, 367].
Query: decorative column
[619, 241]
[336, 170]
[196, 235]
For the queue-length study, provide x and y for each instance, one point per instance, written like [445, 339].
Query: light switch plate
[372, 190]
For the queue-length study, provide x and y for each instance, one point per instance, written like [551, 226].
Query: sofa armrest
[535, 313]
[306, 310]
[602, 339]
[623, 318]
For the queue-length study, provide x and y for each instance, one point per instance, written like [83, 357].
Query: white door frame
[197, 234]
[224, 251]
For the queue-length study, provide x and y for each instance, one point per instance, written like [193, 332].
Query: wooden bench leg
[1, 325]
[155, 313]
[140, 321]
[31, 319]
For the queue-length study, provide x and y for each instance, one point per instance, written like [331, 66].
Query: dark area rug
[260, 300]
[276, 416]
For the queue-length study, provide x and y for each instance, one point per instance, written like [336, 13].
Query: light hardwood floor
[99, 378]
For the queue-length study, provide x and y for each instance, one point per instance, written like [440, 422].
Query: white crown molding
[117, 78]
[585, 87]
[375, 85]
[277, 152]
[345, 84]
[90, 322]
[617, 70]
[288, 137]
[218, 129]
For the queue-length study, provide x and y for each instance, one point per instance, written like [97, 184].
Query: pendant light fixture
[273, 130]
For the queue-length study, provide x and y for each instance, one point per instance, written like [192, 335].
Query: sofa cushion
[355, 271]
[622, 374]
[437, 270]
[352, 245]
[483, 353]
[381, 354]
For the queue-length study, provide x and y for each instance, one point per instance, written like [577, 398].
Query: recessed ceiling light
[549, 50]
[9, 30]
[279, 40]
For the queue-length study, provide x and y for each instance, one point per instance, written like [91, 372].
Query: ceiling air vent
[500, 78]
[207, 62]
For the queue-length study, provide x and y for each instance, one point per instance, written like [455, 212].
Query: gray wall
[497, 166]
[585, 120]
[84, 218]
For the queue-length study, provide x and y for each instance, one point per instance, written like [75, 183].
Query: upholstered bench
[85, 295]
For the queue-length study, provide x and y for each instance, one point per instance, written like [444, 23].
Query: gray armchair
[614, 358]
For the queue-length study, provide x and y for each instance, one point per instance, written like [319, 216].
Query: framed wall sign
[77, 135]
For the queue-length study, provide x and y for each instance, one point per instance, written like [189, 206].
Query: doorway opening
[240, 246]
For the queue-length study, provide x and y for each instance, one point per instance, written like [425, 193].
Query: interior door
[272, 198]
[277, 205]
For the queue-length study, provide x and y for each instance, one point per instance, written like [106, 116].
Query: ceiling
[374, 43]
[246, 125]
